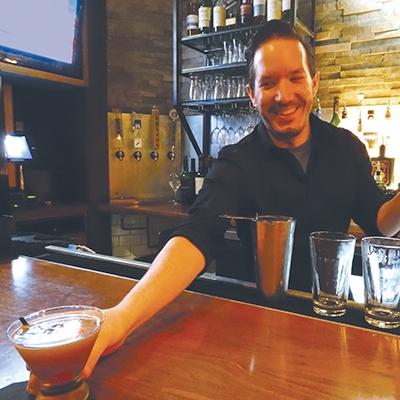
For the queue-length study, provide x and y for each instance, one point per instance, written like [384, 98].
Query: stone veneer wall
[140, 55]
[358, 51]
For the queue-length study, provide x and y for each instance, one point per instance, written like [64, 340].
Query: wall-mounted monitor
[17, 148]
[42, 34]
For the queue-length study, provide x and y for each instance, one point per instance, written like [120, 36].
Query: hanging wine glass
[239, 134]
[215, 147]
[223, 134]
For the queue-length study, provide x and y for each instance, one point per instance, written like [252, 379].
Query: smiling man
[292, 164]
[282, 87]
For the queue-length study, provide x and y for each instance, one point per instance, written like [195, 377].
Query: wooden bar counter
[204, 347]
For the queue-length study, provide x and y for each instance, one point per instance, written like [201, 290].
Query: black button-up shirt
[254, 176]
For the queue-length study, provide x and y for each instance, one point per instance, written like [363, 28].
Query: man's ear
[315, 83]
[250, 92]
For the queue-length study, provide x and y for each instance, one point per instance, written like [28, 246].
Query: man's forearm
[172, 271]
[389, 217]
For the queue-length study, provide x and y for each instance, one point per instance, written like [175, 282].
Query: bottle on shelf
[232, 15]
[360, 97]
[384, 164]
[192, 18]
[286, 10]
[370, 132]
[388, 129]
[209, 161]
[388, 114]
[274, 9]
[200, 175]
[193, 169]
[344, 123]
[205, 10]
[246, 12]
[378, 176]
[335, 120]
[259, 11]
[187, 184]
[219, 15]
[359, 124]
[318, 110]
[344, 111]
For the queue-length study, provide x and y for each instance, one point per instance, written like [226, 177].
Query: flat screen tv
[45, 35]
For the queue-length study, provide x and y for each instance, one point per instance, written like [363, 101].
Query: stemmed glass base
[73, 390]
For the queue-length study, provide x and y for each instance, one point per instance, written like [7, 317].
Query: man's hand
[110, 339]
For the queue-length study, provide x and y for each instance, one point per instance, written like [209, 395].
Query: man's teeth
[288, 111]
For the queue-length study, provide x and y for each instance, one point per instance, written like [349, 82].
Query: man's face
[284, 90]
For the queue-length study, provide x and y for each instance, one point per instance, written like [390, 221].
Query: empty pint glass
[381, 272]
[331, 261]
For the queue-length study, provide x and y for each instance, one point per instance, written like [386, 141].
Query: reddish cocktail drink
[56, 345]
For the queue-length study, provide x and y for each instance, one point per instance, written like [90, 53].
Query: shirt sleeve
[222, 193]
[369, 197]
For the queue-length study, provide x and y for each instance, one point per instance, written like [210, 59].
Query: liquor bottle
[193, 173]
[344, 123]
[344, 111]
[209, 160]
[318, 110]
[359, 124]
[200, 175]
[205, 16]
[335, 120]
[388, 128]
[246, 12]
[378, 176]
[192, 18]
[370, 131]
[274, 9]
[259, 11]
[219, 15]
[286, 10]
[384, 164]
[187, 184]
[232, 15]
[388, 114]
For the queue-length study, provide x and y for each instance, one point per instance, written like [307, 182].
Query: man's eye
[267, 84]
[296, 78]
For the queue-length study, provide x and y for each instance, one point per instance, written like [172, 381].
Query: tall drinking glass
[331, 261]
[55, 343]
[381, 272]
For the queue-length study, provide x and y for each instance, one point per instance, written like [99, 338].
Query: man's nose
[284, 92]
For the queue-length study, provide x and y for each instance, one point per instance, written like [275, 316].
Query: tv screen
[42, 34]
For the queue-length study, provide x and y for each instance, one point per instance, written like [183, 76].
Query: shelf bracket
[188, 129]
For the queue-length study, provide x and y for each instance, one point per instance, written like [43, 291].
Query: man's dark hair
[276, 29]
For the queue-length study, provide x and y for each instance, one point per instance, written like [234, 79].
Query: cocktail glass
[55, 343]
